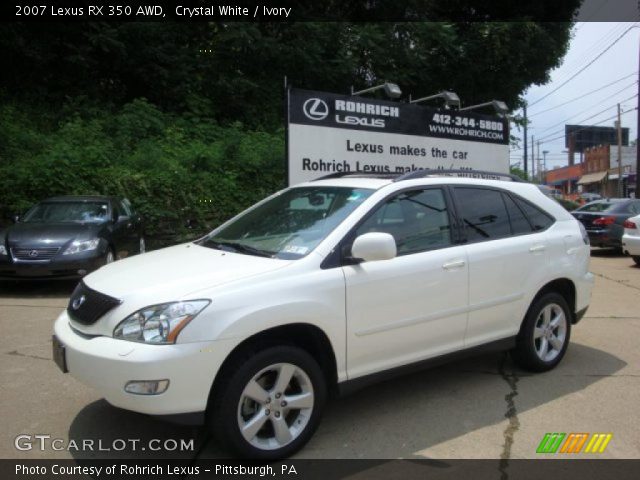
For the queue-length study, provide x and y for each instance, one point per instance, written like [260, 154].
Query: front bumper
[631, 245]
[61, 266]
[107, 364]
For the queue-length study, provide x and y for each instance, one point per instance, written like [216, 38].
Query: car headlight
[159, 324]
[3, 250]
[82, 246]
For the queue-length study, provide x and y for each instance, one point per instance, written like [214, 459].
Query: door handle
[454, 264]
[537, 248]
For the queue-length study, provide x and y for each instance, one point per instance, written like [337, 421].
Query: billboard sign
[330, 133]
[587, 136]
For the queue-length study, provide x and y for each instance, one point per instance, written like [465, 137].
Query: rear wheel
[636, 259]
[269, 403]
[544, 336]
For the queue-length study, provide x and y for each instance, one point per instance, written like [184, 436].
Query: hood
[50, 234]
[173, 273]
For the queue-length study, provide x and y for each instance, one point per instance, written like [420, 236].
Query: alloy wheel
[550, 332]
[275, 406]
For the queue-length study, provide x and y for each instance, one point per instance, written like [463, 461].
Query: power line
[595, 124]
[589, 118]
[587, 94]
[585, 67]
[589, 108]
[585, 54]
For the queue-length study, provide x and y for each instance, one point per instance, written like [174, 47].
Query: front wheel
[270, 403]
[544, 336]
[636, 258]
[109, 257]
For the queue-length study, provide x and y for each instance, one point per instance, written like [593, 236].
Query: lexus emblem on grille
[77, 303]
[33, 253]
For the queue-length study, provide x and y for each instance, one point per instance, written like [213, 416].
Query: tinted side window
[633, 207]
[115, 211]
[418, 220]
[125, 207]
[483, 213]
[538, 219]
[519, 223]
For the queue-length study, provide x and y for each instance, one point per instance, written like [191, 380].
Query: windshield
[289, 225]
[68, 212]
[598, 207]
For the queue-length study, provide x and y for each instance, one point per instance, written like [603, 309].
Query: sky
[591, 97]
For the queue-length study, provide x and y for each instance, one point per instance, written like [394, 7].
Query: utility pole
[524, 108]
[538, 158]
[533, 159]
[619, 127]
[637, 192]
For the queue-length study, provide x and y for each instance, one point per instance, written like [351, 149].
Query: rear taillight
[602, 221]
[629, 224]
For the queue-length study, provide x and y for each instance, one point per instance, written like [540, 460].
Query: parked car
[568, 205]
[323, 288]
[67, 237]
[631, 238]
[604, 219]
[551, 192]
[590, 197]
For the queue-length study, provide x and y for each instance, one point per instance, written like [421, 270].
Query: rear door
[507, 257]
[413, 306]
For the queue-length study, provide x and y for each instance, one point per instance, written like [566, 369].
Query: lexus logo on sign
[315, 109]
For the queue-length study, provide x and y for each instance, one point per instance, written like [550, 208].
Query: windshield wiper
[239, 248]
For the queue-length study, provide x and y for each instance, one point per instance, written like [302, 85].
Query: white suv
[322, 288]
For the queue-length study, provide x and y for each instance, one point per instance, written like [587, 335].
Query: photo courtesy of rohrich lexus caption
[326, 286]
[347, 239]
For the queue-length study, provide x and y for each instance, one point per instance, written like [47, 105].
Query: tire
[636, 259]
[249, 396]
[541, 345]
[109, 257]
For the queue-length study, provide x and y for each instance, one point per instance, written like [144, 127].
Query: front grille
[86, 306]
[36, 253]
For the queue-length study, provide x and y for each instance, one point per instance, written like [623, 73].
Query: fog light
[82, 272]
[147, 387]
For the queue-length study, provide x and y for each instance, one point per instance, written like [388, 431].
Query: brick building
[565, 179]
[596, 169]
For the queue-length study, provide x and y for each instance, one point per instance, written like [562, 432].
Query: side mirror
[122, 219]
[16, 218]
[374, 246]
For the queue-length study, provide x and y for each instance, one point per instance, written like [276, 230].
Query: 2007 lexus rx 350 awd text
[324, 287]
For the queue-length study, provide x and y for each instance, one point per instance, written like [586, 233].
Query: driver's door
[414, 306]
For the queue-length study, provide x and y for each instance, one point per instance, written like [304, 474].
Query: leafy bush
[173, 169]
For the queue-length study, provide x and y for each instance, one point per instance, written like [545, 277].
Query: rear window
[483, 213]
[597, 207]
[538, 219]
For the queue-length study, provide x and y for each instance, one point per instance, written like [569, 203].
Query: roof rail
[357, 173]
[482, 174]
[422, 173]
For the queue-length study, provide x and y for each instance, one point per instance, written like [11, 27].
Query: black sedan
[604, 219]
[70, 237]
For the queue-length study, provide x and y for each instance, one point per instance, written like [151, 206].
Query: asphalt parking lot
[479, 408]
